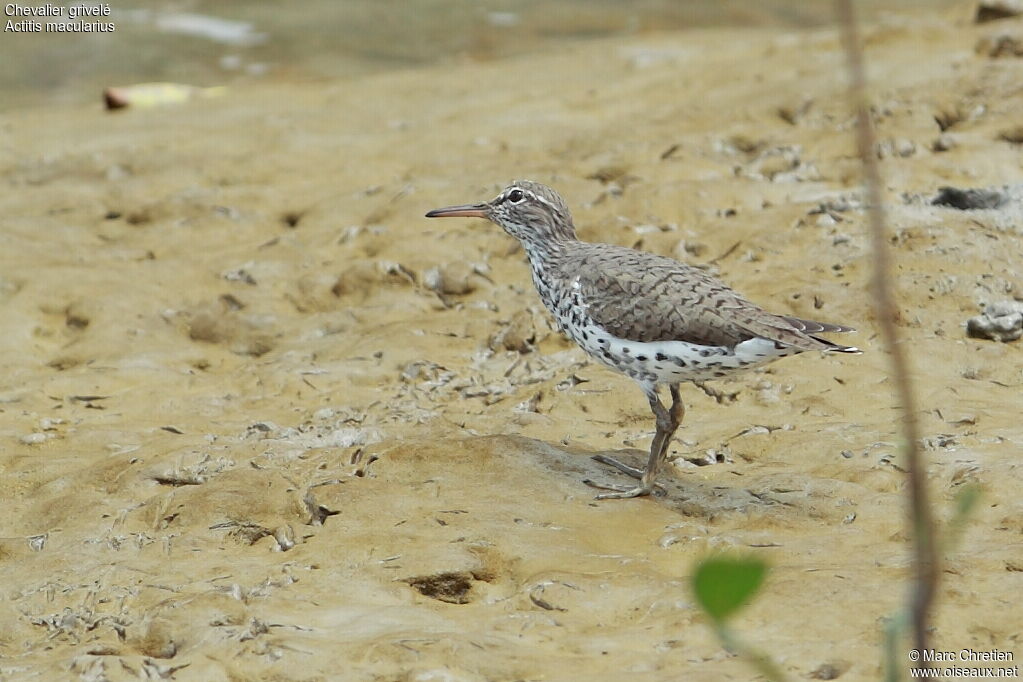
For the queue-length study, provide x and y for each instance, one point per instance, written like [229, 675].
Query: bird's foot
[621, 466]
[621, 492]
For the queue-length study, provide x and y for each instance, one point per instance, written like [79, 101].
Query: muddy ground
[260, 419]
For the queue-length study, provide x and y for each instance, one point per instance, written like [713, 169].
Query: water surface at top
[213, 43]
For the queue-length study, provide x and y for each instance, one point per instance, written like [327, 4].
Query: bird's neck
[542, 251]
[543, 245]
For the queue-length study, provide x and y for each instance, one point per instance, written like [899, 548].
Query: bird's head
[530, 212]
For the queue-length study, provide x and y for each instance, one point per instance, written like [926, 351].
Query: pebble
[895, 147]
[945, 142]
[285, 537]
[993, 10]
[668, 539]
[970, 199]
[1002, 321]
[239, 274]
[452, 279]
[684, 250]
[33, 438]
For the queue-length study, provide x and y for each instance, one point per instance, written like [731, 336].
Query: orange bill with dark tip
[465, 211]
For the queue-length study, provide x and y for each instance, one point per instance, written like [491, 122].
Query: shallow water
[214, 43]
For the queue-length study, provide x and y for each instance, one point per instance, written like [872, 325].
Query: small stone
[647, 228]
[993, 10]
[529, 405]
[945, 142]
[895, 147]
[1002, 321]
[239, 274]
[969, 199]
[684, 250]
[452, 279]
[767, 393]
[775, 163]
[285, 537]
[33, 438]
[667, 540]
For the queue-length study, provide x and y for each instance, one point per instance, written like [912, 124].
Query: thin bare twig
[925, 558]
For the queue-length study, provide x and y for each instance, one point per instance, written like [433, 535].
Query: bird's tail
[812, 328]
[833, 347]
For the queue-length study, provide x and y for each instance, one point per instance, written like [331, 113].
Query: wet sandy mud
[262, 420]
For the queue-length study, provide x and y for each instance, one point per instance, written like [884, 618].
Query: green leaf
[724, 584]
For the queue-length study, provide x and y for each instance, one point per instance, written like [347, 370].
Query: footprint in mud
[454, 587]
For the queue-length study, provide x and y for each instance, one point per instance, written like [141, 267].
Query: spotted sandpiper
[653, 318]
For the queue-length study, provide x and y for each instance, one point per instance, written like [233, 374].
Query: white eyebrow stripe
[542, 200]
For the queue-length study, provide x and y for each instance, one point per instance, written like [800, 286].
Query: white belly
[671, 362]
[658, 362]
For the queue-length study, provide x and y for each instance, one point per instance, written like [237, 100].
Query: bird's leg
[678, 410]
[667, 421]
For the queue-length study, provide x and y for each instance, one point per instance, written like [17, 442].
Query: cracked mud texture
[262, 420]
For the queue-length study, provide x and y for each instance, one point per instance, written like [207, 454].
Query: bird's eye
[515, 196]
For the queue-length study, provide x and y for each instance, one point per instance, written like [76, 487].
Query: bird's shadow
[684, 494]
